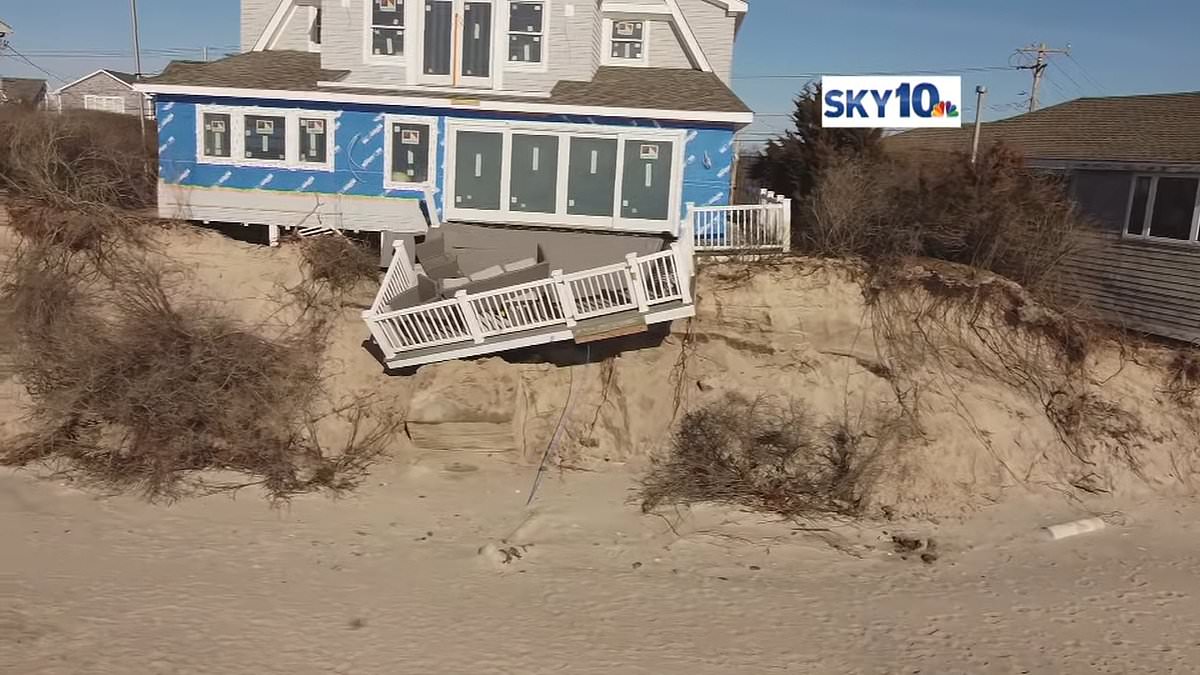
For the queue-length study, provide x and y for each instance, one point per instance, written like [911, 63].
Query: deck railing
[401, 276]
[561, 300]
[762, 227]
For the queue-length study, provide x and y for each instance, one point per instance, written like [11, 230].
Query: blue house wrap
[359, 139]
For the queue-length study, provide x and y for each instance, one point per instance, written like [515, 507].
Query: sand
[436, 565]
[391, 581]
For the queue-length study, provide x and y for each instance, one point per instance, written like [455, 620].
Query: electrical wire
[13, 50]
[1086, 75]
[1068, 76]
[918, 71]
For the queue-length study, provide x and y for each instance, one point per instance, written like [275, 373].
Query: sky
[1117, 46]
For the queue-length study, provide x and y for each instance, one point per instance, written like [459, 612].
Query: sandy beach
[408, 576]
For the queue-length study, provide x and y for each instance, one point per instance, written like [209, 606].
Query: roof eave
[457, 102]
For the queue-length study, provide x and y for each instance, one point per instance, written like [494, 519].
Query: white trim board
[278, 19]
[689, 37]
[89, 76]
[454, 103]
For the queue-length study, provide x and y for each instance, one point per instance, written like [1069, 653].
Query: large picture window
[1165, 207]
[542, 173]
[387, 27]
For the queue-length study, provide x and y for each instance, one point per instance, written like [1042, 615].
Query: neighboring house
[1133, 166]
[365, 114]
[23, 91]
[105, 90]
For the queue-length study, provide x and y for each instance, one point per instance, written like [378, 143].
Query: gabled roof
[22, 90]
[625, 91]
[1162, 128]
[126, 79]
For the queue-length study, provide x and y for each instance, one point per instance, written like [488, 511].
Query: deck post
[469, 316]
[684, 278]
[787, 224]
[566, 298]
[273, 235]
[635, 287]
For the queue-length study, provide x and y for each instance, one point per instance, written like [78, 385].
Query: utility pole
[137, 64]
[1039, 67]
[206, 53]
[980, 95]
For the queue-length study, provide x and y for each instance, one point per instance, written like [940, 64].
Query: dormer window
[626, 40]
[526, 32]
[387, 27]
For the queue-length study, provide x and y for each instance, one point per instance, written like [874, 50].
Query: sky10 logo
[876, 101]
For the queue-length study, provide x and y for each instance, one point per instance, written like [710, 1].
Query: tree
[793, 163]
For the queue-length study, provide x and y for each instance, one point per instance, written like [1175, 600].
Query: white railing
[400, 277]
[765, 226]
[562, 300]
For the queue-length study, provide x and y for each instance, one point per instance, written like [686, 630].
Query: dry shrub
[338, 262]
[766, 455]
[1183, 376]
[77, 159]
[995, 214]
[132, 387]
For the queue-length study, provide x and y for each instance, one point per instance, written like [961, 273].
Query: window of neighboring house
[1166, 207]
[314, 140]
[266, 137]
[113, 104]
[387, 27]
[216, 134]
[408, 151]
[526, 30]
[627, 41]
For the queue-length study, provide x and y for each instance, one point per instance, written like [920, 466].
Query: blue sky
[1118, 46]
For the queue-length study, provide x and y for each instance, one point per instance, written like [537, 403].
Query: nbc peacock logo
[945, 109]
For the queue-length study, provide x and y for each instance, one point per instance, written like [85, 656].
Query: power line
[915, 71]
[1087, 76]
[13, 50]
[1068, 76]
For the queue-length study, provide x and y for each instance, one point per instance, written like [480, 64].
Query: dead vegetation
[338, 262]
[770, 455]
[136, 381]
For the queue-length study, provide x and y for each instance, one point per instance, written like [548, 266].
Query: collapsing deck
[584, 306]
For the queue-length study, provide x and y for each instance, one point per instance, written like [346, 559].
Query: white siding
[255, 16]
[295, 32]
[573, 49]
[714, 31]
[666, 48]
[343, 47]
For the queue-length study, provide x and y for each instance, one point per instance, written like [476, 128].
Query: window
[387, 27]
[266, 137]
[1165, 207]
[253, 136]
[314, 142]
[407, 152]
[113, 104]
[526, 28]
[216, 134]
[627, 41]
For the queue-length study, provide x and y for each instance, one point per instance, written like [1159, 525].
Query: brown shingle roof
[278, 70]
[1145, 128]
[22, 90]
[649, 88]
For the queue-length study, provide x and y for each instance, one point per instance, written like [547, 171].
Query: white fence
[562, 300]
[765, 226]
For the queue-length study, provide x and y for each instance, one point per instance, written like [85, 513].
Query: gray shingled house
[1132, 165]
[104, 90]
[23, 91]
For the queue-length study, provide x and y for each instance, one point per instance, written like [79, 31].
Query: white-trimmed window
[386, 32]
[112, 104]
[527, 32]
[1164, 206]
[409, 151]
[625, 41]
[272, 137]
